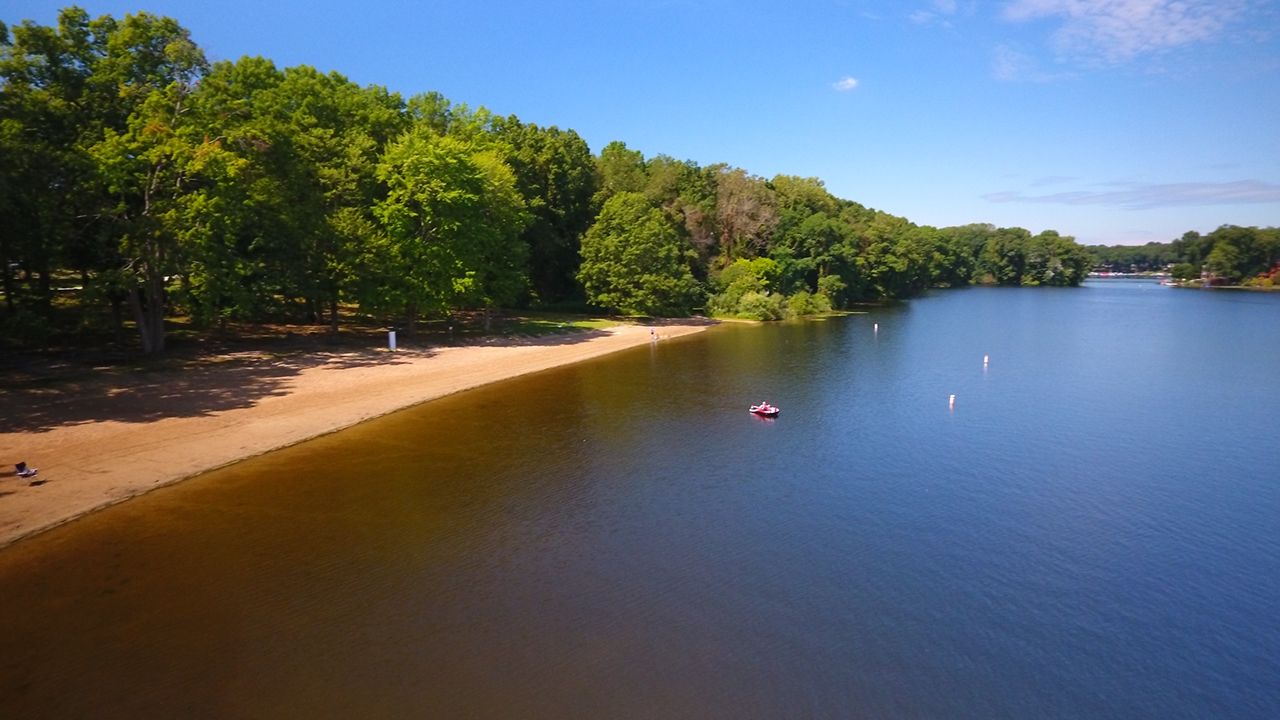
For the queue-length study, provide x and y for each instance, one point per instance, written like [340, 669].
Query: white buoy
[952, 402]
[986, 359]
[876, 327]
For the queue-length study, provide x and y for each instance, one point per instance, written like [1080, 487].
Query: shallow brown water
[400, 565]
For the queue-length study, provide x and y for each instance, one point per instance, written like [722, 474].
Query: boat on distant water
[764, 409]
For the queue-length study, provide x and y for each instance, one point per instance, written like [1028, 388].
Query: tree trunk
[9, 287]
[117, 317]
[140, 319]
[46, 290]
[333, 313]
[6, 276]
[156, 301]
[147, 305]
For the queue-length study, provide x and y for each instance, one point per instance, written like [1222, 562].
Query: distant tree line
[139, 182]
[1230, 254]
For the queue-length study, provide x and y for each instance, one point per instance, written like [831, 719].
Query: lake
[1092, 530]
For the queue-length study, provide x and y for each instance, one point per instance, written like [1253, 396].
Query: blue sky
[1116, 121]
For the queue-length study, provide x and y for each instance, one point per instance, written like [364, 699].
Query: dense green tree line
[139, 182]
[1229, 254]
[773, 248]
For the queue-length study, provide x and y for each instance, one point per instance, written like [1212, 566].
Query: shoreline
[108, 440]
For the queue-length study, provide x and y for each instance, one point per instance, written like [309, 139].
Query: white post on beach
[391, 340]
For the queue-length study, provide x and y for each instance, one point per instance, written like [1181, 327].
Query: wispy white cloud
[1114, 31]
[938, 11]
[845, 84]
[1012, 65]
[1146, 196]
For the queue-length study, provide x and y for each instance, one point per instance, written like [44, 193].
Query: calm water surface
[1092, 531]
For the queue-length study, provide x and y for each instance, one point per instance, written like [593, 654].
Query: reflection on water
[1091, 531]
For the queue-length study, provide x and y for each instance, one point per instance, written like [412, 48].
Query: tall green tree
[819, 246]
[687, 193]
[620, 170]
[160, 167]
[1051, 259]
[894, 257]
[334, 132]
[633, 260]
[556, 176]
[453, 219]
[53, 105]
[301, 220]
[800, 198]
[1224, 261]
[1003, 258]
[951, 264]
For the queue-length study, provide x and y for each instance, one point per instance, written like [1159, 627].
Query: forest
[141, 184]
[1229, 255]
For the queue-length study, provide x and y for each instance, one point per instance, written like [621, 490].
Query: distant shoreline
[1188, 284]
[106, 440]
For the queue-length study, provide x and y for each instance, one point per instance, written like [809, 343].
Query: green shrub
[804, 303]
[832, 287]
[760, 306]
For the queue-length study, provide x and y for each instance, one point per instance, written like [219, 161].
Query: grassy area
[537, 324]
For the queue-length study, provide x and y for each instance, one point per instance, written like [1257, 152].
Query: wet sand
[104, 440]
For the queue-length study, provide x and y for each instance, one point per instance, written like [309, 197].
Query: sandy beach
[100, 441]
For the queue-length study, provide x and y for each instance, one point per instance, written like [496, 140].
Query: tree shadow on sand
[211, 382]
[192, 388]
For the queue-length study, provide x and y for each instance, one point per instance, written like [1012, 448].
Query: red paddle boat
[764, 409]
